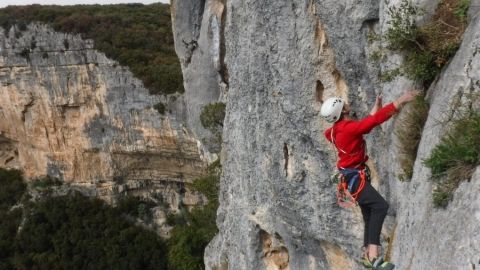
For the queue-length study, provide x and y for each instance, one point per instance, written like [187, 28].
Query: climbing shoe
[367, 263]
[378, 264]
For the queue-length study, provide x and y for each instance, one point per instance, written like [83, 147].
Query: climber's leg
[366, 220]
[370, 199]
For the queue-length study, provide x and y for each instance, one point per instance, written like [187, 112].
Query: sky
[4, 3]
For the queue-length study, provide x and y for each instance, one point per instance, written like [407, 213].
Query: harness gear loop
[345, 198]
[361, 185]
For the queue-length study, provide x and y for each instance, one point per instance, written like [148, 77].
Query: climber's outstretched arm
[365, 125]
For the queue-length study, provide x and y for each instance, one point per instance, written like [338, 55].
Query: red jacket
[347, 136]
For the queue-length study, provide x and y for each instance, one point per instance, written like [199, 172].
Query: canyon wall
[69, 112]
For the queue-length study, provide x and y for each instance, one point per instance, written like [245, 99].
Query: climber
[346, 134]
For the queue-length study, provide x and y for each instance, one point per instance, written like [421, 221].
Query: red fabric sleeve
[366, 125]
[328, 134]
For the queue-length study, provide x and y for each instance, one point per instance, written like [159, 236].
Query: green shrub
[427, 48]
[408, 130]
[209, 185]
[136, 207]
[420, 66]
[461, 10]
[188, 242]
[66, 44]
[171, 219]
[45, 182]
[402, 32]
[456, 156]
[441, 197]
[160, 107]
[212, 116]
[389, 75]
[25, 53]
[175, 219]
[138, 36]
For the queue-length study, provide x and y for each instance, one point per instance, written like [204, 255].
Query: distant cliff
[277, 206]
[69, 112]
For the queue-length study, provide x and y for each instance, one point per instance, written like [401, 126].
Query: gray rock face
[449, 238]
[277, 206]
[276, 179]
[198, 34]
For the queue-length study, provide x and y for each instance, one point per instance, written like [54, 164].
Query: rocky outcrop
[198, 27]
[277, 206]
[69, 112]
[427, 237]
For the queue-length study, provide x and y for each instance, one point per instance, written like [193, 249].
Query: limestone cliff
[277, 206]
[69, 112]
[198, 27]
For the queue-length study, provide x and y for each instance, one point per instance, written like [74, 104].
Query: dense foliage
[160, 107]
[76, 232]
[198, 227]
[70, 232]
[138, 36]
[427, 48]
[456, 156]
[11, 191]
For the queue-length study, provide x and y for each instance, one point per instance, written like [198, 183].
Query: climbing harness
[346, 196]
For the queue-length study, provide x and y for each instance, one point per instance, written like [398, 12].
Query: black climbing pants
[374, 209]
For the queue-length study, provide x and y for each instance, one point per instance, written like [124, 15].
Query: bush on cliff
[455, 158]
[160, 107]
[212, 117]
[427, 48]
[138, 36]
[188, 241]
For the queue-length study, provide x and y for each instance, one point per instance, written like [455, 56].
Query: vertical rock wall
[199, 42]
[277, 206]
[282, 63]
[428, 237]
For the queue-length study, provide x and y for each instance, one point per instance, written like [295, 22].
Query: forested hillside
[138, 36]
[69, 232]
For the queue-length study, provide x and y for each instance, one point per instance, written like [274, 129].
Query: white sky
[4, 3]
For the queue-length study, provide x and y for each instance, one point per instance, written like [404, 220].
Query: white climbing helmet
[332, 109]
